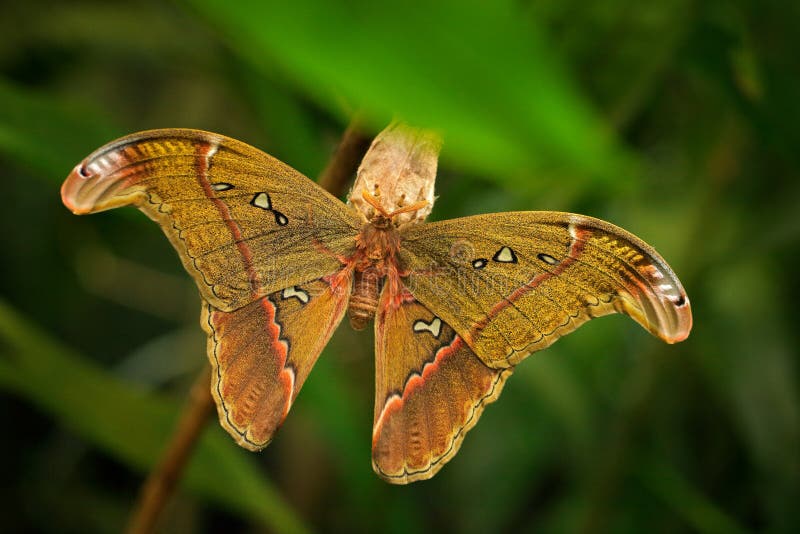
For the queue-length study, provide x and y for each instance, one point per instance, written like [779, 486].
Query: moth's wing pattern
[512, 283]
[265, 245]
[430, 389]
[244, 224]
[262, 353]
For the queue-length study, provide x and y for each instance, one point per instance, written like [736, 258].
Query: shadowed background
[674, 119]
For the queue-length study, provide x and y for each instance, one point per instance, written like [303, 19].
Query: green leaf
[504, 103]
[131, 424]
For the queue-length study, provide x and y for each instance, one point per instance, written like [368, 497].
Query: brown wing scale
[430, 390]
[265, 245]
[262, 353]
[512, 283]
[244, 224]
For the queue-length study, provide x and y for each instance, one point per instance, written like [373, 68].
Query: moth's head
[380, 217]
[397, 173]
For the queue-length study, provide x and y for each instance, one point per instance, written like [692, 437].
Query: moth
[457, 304]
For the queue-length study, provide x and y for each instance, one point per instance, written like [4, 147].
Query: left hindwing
[512, 283]
[262, 353]
[430, 389]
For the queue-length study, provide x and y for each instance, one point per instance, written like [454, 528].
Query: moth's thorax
[375, 260]
[378, 241]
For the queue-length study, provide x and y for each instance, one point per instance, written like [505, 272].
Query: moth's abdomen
[364, 300]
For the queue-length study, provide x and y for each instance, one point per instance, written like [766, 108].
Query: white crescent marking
[434, 327]
[299, 294]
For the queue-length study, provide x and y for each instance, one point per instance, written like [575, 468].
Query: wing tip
[72, 187]
[243, 435]
[247, 435]
[682, 326]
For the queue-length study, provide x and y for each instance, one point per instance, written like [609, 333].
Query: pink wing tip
[683, 322]
[71, 189]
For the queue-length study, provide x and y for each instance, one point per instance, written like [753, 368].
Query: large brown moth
[456, 303]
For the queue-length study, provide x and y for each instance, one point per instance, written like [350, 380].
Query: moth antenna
[375, 203]
[412, 207]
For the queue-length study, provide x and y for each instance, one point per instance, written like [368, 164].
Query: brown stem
[160, 484]
[344, 162]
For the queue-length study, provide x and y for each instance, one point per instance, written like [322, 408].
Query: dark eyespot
[83, 171]
[681, 301]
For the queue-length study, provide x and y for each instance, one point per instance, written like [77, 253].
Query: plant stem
[344, 162]
[160, 484]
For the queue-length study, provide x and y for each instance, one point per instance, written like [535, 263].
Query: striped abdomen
[364, 300]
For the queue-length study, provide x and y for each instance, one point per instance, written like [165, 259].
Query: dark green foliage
[677, 120]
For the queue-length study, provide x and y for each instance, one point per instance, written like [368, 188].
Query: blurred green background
[676, 119]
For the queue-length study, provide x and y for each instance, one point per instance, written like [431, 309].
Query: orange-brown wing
[244, 224]
[262, 353]
[512, 283]
[430, 390]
